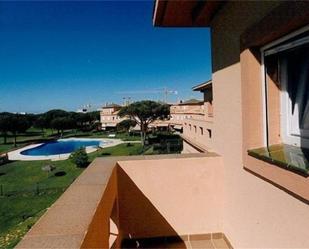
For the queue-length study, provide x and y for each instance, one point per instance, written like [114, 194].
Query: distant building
[85, 109]
[198, 125]
[194, 119]
[183, 110]
[109, 116]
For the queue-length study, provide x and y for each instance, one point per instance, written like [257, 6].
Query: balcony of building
[119, 203]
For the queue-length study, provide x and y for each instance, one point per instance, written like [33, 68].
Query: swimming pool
[61, 146]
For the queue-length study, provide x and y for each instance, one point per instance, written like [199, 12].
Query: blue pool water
[60, 147]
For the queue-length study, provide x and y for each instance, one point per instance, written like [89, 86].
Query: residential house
[109, 116]
[198, 122]
[182, 110]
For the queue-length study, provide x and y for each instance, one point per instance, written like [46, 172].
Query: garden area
[28, 188]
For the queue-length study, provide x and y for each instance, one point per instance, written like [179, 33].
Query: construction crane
[165, 91]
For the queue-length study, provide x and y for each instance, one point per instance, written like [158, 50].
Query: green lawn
[28, 190]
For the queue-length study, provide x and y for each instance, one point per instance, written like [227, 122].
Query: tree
[41, 123]
[62, 123]
[4, 125]
[18, 124]
[125, 125]
[145, 112]
[79, 158]
[83, 121]
[53, 114]
[86, 121]
[95, 116]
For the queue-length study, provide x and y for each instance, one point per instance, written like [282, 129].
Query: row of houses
[193, 119]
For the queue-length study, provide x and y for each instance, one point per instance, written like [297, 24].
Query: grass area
[28, 190]
[19, 213]
[123, 150]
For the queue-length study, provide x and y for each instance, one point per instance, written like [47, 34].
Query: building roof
[192, 102]
[184, 13]
[203, 86]
[112, 105]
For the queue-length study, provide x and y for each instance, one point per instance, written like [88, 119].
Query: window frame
[274, 48]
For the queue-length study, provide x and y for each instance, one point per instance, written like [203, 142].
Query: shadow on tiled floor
[176, 243]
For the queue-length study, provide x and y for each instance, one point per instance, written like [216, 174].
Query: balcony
[119, 202]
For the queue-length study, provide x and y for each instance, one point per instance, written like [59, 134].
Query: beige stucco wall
[256, 213]
[188, 148]
[198, 117]
[156, 196]
[195, 135]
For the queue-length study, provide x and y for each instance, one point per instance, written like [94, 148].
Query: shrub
[80, 158]
[105, 154]
[60, 173]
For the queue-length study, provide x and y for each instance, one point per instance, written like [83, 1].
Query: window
[202, 131]
[209, 133]
[295, 96]
[190, 126]
[263, 127]
[286, 66]
[195, 128]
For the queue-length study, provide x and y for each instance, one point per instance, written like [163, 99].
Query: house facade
[197, 127]
[251, 41]
[194, 120]
[253, 192]
[109, 116]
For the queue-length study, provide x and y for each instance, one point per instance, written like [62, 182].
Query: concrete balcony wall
[155, 197]
[98, 233]
[80, 218]
[147, 196]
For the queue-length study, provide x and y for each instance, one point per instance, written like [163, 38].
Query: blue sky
[67, 54]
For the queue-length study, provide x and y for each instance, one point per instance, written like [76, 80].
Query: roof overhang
[184, 13]
[203, 86]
